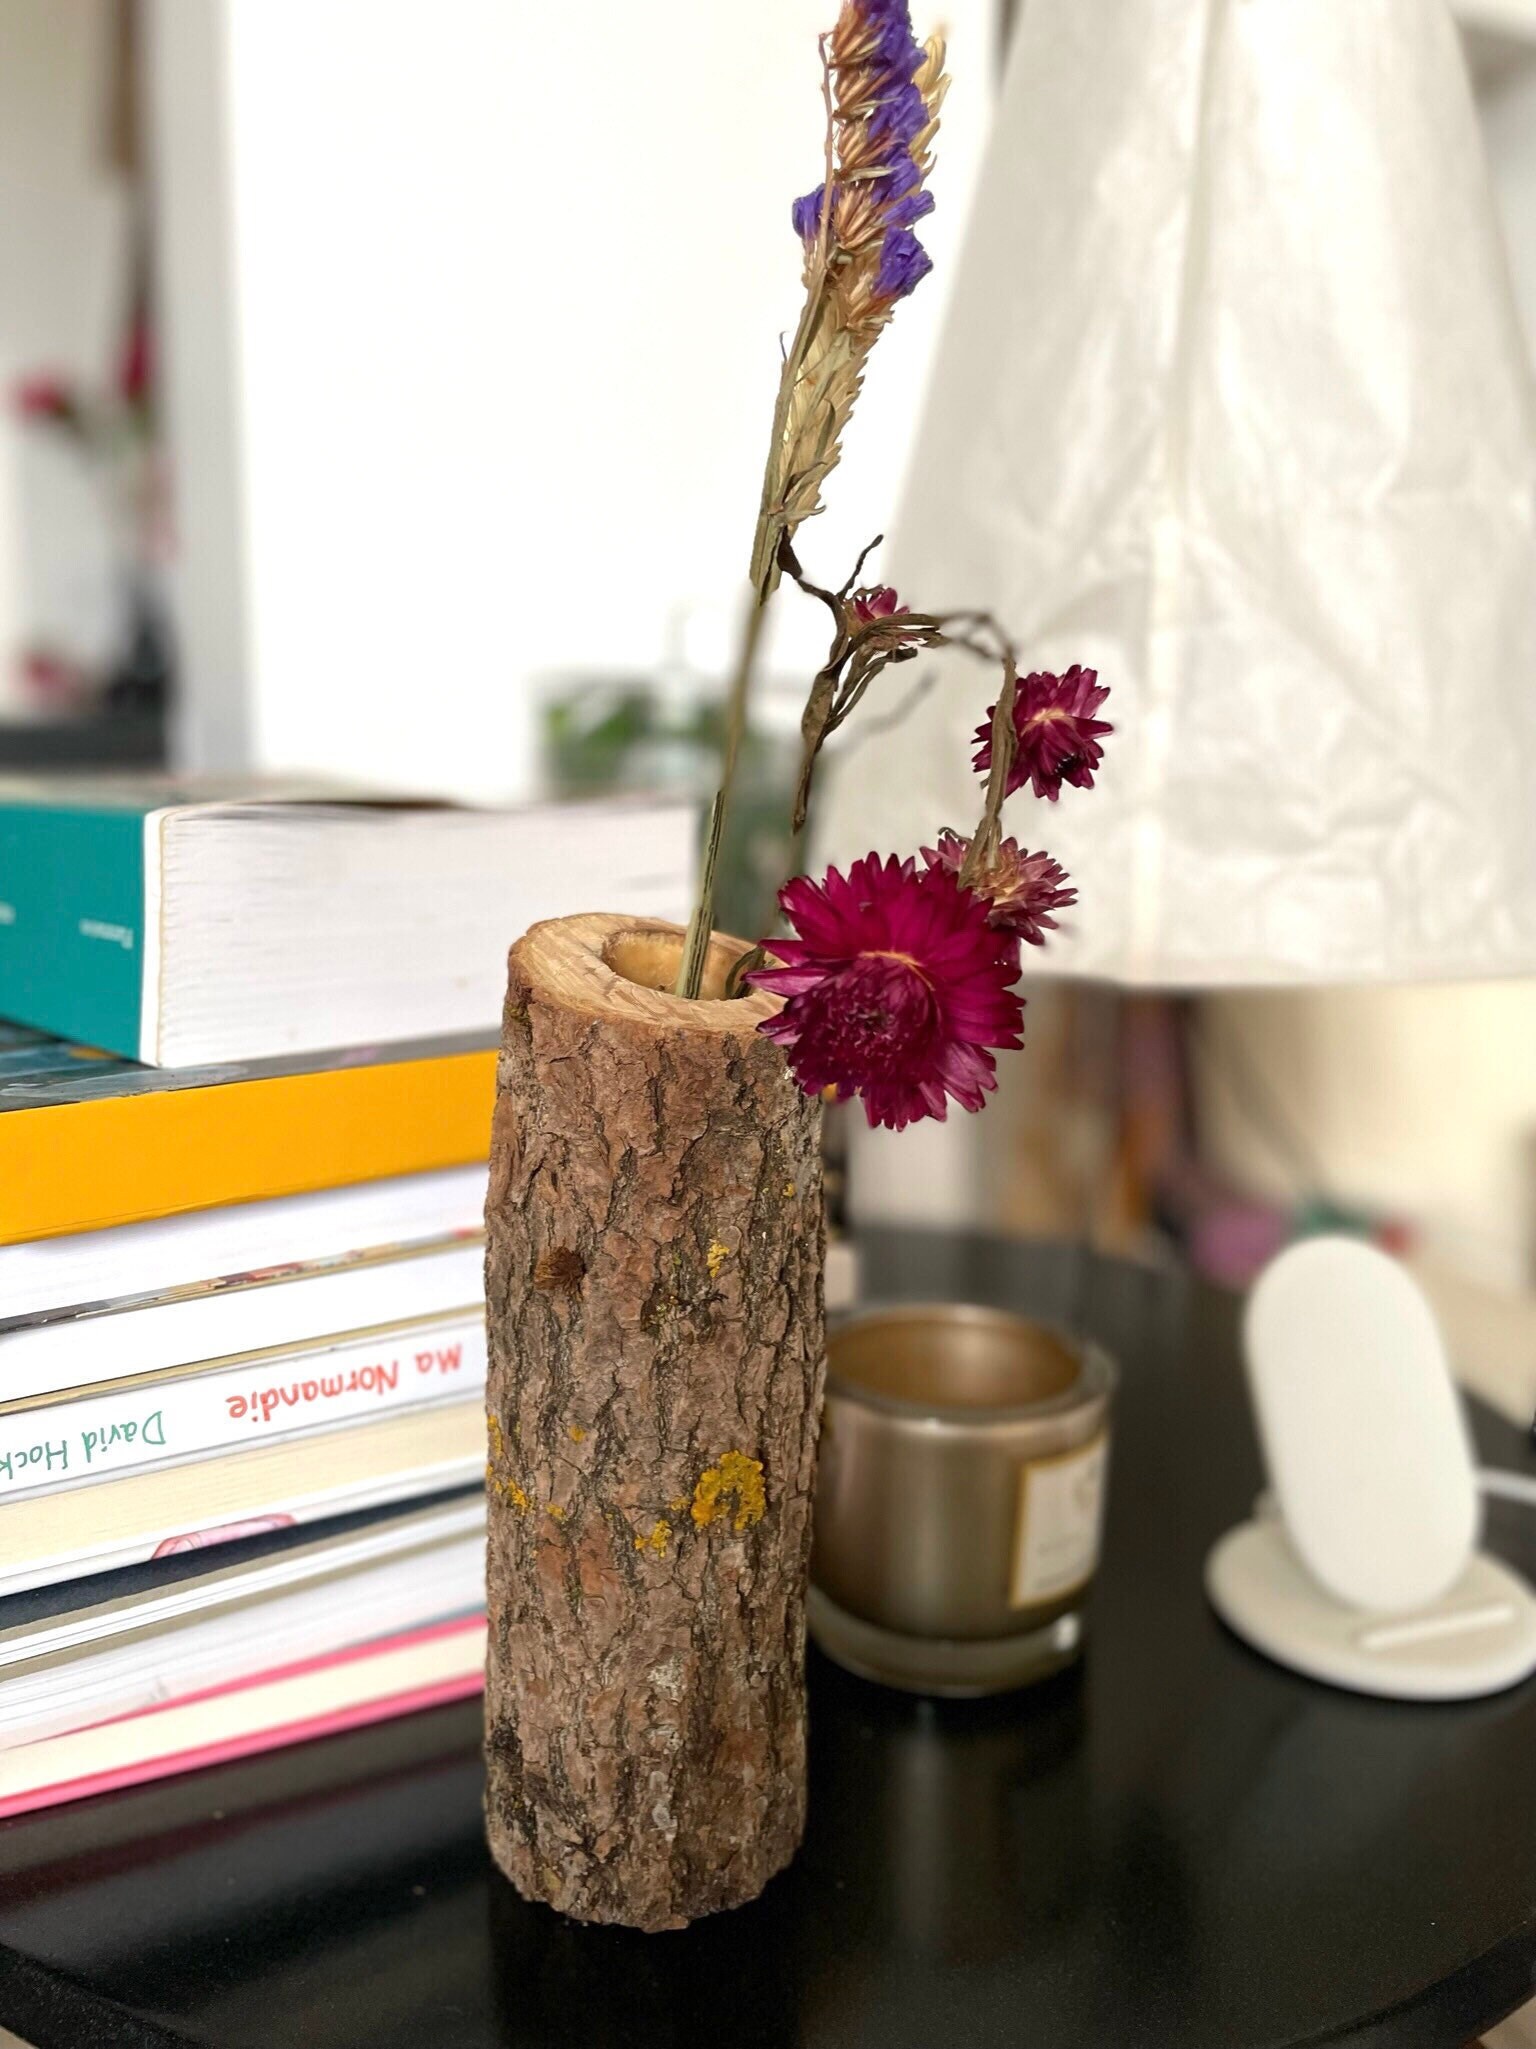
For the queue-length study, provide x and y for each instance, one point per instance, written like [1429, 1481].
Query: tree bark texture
[654, 1302]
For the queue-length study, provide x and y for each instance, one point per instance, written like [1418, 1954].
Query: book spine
[72, 1443]
[217, 1323]
[72, 923]
[46, 1568]
[398, 1675]
[94, 1269]
[254, 1743]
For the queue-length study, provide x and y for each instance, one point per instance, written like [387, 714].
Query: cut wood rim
[610, 965]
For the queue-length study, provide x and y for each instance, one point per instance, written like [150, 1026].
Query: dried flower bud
[878, 601]
[1020, 890]
[1058, 736]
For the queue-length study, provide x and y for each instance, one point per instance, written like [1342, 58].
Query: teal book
[190, 925]
[82, 862]
[74, 904]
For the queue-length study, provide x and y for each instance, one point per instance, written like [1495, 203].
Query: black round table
[1177, 1846]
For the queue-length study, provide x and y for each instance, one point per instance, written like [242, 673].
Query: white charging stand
[1361, 1568]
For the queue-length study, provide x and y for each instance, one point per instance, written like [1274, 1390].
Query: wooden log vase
[654, 1301]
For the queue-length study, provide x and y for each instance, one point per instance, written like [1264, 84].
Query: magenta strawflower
[897, 988]
[1021, 890]
[1058, 736]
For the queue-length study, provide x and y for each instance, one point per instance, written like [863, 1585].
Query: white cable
[1508, 1486]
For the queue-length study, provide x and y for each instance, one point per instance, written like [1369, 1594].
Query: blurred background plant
[664, 733]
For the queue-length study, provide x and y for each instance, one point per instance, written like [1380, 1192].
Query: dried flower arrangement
[900, 978]
[654, 1223]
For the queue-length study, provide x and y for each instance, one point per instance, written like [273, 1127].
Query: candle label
[1060, 1516]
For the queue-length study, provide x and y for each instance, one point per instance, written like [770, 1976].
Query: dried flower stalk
[869, 635]
[883, 94]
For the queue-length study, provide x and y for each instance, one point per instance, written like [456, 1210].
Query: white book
[96, 1268]
[162, 1511]
[313, 1697]
[287, 928]
[53, 1355]
[166, 1420]
[123, 1654]
[185, 926]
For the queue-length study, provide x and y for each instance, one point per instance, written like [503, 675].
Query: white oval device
[1362, 1429]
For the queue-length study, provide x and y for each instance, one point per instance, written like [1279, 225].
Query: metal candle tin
[960, 1496]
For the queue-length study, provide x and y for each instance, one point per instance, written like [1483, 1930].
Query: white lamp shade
[1233, 405]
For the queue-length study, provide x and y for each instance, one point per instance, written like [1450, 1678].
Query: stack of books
[242, 1345]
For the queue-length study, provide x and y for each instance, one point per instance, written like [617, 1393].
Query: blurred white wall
[472, 321]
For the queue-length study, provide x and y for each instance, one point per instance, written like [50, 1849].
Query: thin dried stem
[988, 834]
[858, 568]
[690, 976]
[862, 648]
[743, 966]
[829, 156]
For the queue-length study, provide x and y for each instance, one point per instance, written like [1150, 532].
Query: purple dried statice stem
[690, 974]
[836, 330]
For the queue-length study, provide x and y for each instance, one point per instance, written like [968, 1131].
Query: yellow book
[88, 1141]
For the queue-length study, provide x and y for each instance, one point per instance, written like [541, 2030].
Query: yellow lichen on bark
[716, 1257]
[500, 1483]
[576, 1434]
[657, 1541]
[736, 1478]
